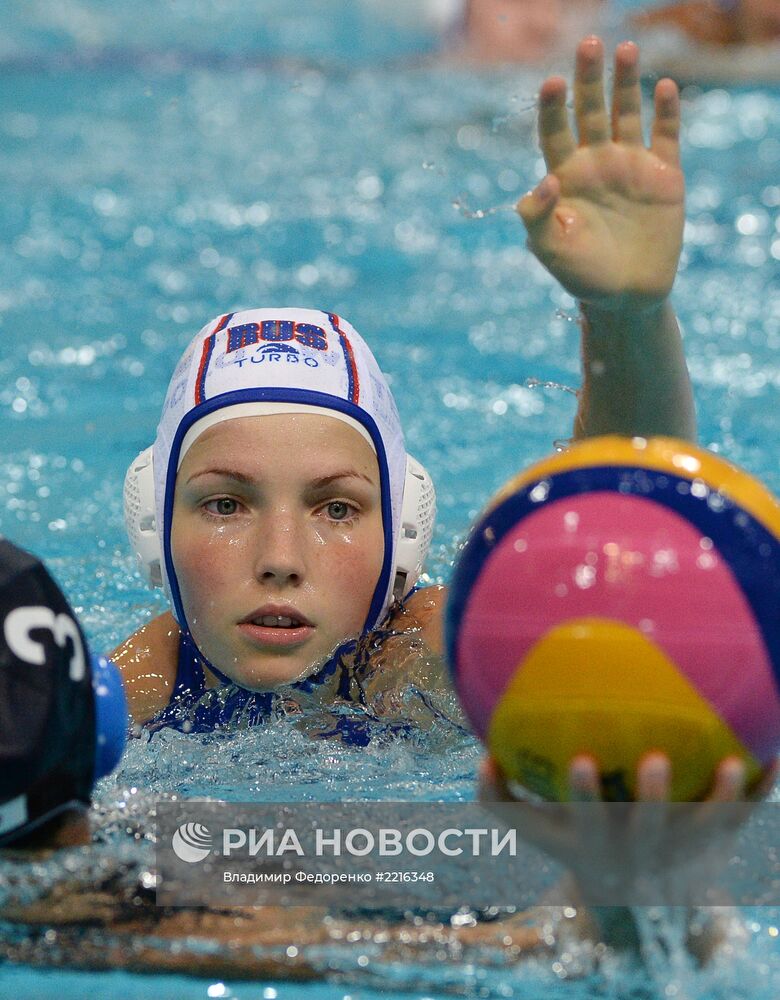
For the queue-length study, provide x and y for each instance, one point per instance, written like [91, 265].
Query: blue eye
[224, 506]
[338, 510]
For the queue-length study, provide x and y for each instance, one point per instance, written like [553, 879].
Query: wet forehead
[305, 444]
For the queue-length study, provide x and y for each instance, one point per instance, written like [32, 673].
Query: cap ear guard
[141, 518]
[415, 531]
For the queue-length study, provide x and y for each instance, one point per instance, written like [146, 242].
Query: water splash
[536, 383]
[568, 317]
[525, 106]
[663, 931]
[461, 203]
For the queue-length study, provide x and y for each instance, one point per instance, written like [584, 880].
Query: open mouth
[276, 630]
[276, 621]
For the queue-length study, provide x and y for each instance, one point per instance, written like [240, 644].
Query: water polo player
[290, 516]
[63, 714]
[278, 506]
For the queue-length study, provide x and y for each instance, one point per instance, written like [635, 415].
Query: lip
[276, 638]
[280, 610]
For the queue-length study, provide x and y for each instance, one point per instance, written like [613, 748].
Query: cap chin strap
[413, 538]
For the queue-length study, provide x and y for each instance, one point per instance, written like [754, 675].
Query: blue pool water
[160, 163]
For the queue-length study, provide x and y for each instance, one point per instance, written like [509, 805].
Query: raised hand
[607, 220]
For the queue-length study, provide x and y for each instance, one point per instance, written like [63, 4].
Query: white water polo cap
[263, 361]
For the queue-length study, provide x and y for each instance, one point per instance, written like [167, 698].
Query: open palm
[607, 219]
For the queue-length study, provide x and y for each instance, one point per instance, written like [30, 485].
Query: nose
[279, 550]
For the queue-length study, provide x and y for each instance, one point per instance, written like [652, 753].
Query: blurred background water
[163, 163]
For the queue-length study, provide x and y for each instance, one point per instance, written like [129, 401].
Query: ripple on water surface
[149, 182]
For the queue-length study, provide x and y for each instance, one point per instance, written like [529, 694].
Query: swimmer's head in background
[63, 714]
[443, 16]
[269, 361]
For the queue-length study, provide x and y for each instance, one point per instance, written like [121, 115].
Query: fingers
[590, 109]
[728, 788]
[665, 139]
[627, 96]
[730, 781]
[593, 123]
[555, 134]
[766, 782]
[650, 817]
[654, 778]
[536, 206]
[491, 784]
[542, 825]
[584, 785]
[590, 824]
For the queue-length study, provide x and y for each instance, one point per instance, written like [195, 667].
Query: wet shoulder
[423, 612]
[148, 661]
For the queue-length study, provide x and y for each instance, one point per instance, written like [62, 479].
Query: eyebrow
[344, 474]
[239, 477]
[320, 483]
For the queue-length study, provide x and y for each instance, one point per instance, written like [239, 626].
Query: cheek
[354, 568]
[201, 563]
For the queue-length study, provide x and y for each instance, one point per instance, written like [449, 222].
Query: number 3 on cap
[22, 622]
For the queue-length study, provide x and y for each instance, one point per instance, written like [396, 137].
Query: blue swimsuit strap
[190, 678]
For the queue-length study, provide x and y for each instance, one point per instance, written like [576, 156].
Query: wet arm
[266, 942]
[635, 380]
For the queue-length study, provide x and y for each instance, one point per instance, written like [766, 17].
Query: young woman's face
[277, 543]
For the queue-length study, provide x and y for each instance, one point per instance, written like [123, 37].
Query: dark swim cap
[63, 714]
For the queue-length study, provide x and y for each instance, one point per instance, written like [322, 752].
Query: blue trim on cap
[742, 541]
[273, 395]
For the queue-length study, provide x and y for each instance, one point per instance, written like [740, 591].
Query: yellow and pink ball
[621, 597]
